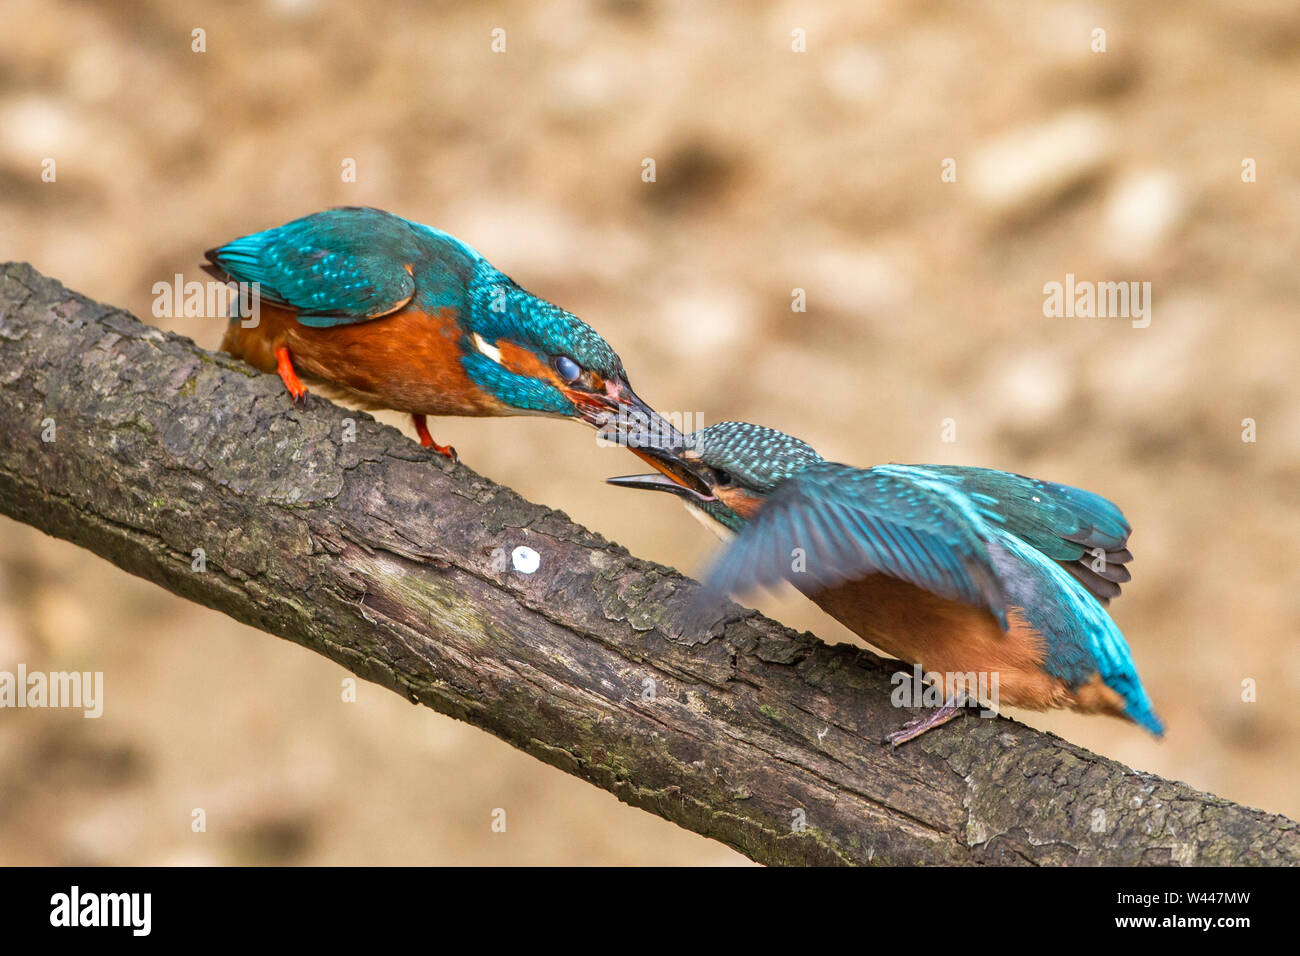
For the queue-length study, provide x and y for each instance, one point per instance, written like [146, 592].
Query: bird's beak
[676, 475]
[657, 482]
[622, 416]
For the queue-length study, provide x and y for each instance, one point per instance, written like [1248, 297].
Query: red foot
[422, 429]
[284, 365]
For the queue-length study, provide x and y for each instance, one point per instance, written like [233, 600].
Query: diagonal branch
[398, 566]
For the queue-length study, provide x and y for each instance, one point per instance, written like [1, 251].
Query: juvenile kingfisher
[955, 570]
[390, 313]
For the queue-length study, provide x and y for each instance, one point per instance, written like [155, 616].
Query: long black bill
[677, 474]
[657, 482]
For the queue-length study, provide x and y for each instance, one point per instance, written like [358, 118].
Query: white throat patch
[722, 532]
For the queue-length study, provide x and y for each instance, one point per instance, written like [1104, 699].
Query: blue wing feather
[1069, 525]
[350, 265]
[927, 526]
[848, 522]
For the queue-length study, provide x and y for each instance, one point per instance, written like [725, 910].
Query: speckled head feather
[759, 458]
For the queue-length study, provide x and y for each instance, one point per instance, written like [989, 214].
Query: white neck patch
[491, 351]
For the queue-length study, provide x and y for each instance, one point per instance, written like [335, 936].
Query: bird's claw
[284, 368]
[915, 728]
[426, 439]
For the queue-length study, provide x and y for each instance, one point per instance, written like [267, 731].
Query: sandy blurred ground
[776, 170]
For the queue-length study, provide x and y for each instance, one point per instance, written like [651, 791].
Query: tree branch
[382, 557]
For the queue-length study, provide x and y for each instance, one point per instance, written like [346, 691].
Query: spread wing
[1082, 531]
[833, 523]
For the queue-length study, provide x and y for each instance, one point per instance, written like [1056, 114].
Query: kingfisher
[389, 313]
[955, 570]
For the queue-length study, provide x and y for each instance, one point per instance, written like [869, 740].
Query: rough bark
[384, 558]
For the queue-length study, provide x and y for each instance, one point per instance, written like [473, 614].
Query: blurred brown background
[776, 170]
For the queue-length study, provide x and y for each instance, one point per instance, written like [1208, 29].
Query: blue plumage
[1082, 530]
[341, 267]
[353, 264]
[347, 265]
[1082, 640]
[1048, 552]
[849, 522]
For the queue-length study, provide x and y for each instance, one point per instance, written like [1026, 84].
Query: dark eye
[569, 369]
[721, 477]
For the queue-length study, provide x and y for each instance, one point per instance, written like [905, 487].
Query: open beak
[676, 475]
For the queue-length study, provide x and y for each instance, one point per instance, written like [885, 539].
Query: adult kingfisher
[956, 570]
[389, 313]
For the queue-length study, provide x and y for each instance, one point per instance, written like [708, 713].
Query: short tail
[1139, 706]
[1083, 641]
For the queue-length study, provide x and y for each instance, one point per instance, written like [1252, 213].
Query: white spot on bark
[525, 559]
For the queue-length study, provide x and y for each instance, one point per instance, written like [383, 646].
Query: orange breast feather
[408, 361]
[951, 638]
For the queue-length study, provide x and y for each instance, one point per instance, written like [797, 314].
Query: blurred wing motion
[1020, 548]
[833, 523]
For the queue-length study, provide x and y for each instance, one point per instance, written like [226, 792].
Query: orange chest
[922, 628]
[408, 361]
[955, 640]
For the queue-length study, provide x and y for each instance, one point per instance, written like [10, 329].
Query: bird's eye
[569, 369]
[721, 477]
